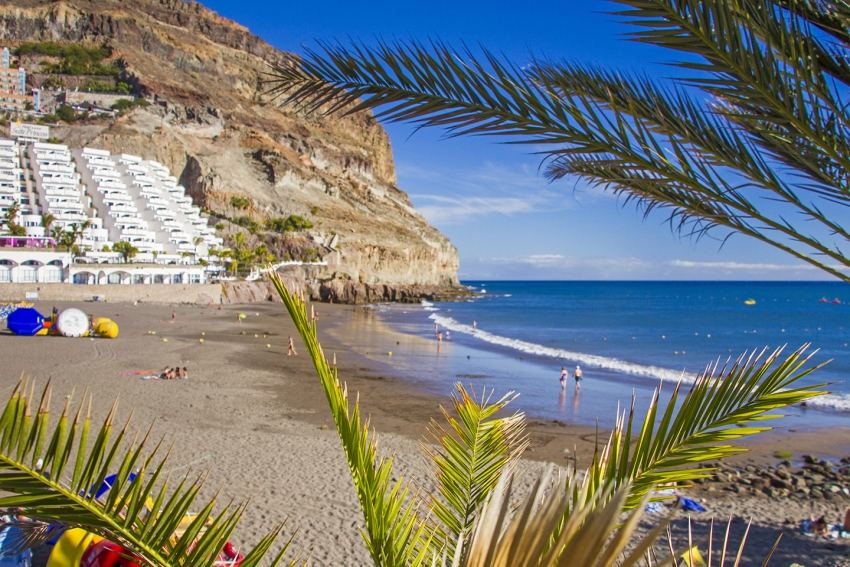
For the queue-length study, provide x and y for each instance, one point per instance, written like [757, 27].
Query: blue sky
[489, 198]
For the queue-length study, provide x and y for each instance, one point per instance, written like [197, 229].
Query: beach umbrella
[25, 321]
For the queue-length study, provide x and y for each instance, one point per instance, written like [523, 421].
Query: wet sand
[256, 417]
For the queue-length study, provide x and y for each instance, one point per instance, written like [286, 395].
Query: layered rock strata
[211, 122]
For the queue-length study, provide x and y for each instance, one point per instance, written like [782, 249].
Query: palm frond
[395, 534]
[522, 539]
[40, 473]
[468, 460]
[722, 405]
[772, 109]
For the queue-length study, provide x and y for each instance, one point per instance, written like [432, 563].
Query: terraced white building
[117, 198]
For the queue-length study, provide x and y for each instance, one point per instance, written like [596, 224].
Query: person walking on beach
[439, 337]
[577, 377]
[563, 378]
[173, 316]
[291, 350]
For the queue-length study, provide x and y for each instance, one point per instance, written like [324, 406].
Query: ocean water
[628, 337]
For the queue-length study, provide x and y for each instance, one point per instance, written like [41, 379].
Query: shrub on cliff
[292, 223]
[240, 202]
[75, 59]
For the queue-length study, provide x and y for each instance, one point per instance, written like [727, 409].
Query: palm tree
[9, 217]
[761, 118]
[47, 220]
[126, 249]
[197, 241]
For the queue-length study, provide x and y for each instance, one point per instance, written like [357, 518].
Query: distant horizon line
[653, 281]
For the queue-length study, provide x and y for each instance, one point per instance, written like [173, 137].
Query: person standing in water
[474, 325]
[563, 378]
[577, 376]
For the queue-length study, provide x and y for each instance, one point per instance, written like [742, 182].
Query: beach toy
[106, 328]
[242, 316]
[107, 554]
[25, 321]
[72, 323]
[70, 548]
[693, 558]
[9, 538]
[5, 310]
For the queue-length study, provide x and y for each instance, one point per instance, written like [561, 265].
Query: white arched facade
[33, 266]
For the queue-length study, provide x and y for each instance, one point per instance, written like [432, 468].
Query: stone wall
[101, 100]
[199, 294]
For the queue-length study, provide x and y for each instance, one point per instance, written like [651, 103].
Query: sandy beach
[256, 417]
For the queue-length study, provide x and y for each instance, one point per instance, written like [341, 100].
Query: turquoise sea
[628, 337]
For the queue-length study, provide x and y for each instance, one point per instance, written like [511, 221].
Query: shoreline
[256, 417]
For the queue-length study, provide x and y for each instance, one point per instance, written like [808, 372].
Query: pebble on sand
[268, 346]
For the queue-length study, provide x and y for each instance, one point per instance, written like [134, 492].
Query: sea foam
[593, 360]
[838, 402]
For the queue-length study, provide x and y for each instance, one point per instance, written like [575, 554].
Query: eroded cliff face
[212, 124]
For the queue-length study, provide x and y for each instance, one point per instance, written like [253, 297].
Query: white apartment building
[119, 198]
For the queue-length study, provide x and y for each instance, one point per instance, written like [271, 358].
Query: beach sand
[259, 420]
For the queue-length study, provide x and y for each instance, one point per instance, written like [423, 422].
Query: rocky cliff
[212, 124]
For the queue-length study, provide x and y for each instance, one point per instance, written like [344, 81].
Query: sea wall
[198, 294]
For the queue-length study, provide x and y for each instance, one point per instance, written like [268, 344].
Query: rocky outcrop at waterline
[212, 124]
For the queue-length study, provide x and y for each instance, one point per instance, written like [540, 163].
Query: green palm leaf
[721, 406]
[522, 539]
[394, 534]
[40, 473]
[468, 460]
[768, 106]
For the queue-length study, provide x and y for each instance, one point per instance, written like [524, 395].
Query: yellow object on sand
[43, 332]
[106, 328]
[200, 340]
[70, 548]
[693, 554]
[165, 340]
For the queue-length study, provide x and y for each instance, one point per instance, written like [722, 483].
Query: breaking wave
[838, 402]
[593, 360]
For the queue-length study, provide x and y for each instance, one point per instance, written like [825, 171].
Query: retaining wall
[200, 294]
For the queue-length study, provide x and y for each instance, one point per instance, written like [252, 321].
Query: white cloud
[448, 210]
[742, 266]
[451, 197]
[557, 266]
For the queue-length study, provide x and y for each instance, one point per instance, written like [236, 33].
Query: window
[113, 278]
[138, 279]
[53, 274]
[82, 278]
[28, 274]
[5, 274]
[158, 278]
[195, 278]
